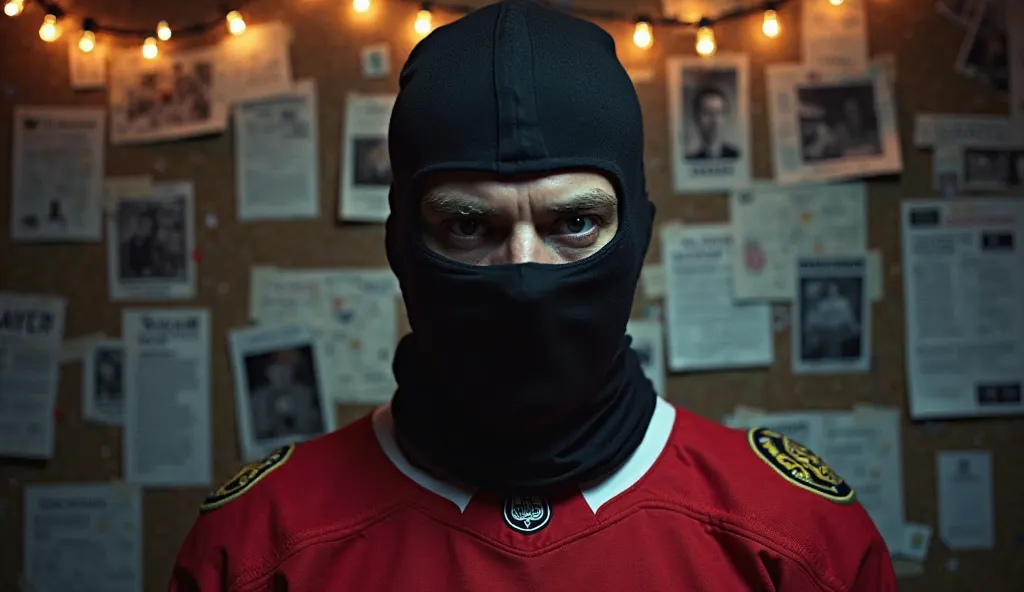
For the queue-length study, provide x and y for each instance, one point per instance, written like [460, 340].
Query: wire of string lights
[55, 18]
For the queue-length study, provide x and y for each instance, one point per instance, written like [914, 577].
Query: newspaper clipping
[57, 173]
[832, 124]
[150, 241]
[706, 328]
[710, 106]
[276, 158]
[964, 300]
[280, 394]
[983, 55]
[366, 165]
[31, 331]
[167, 425]
[83, 537]
[834, 35]
[103, 386]
[832, 320]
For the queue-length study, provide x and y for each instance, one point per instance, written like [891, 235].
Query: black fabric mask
[519, 377]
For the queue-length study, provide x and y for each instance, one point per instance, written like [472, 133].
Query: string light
[14, 7]
[422, 25]
[150, 49]
[770, 26]
[643, 32]
[706, 39]
[643, 35]
[50, 29]
[236, 24]
[835, 2]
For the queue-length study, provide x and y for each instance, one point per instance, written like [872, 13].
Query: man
[831, 325]
[283, 406]
[709, 111]
[524, 449]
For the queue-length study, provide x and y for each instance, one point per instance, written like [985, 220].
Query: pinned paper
[73, 350]
[376, 60]
[966, 514]
[652, 280]
[116, 188]
[905, 568]
[917, 538]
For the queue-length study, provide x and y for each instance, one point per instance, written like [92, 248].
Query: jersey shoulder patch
[246, 477]
[798, 465]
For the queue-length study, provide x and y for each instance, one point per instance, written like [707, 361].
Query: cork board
[328, 37]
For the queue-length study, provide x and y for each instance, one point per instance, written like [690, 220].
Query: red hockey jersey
[698, 506]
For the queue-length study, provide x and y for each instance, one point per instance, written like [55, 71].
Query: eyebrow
[449, 202]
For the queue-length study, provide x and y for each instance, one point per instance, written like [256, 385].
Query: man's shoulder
[764, 487]
[266, 509]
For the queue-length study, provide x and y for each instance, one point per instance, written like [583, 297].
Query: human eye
[578, 230]
[464, 232]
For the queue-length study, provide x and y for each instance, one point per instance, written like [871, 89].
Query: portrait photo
[830, 323]
[989, 167]
[108, 375]
[104, 387]
[985, 53]
[283, 395]
[152, 240]
[372, 164]
[709, 116]
[150, 243]
[838, 121]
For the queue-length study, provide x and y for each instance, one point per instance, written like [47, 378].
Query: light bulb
[163, 31]
[49, 31]
[422, 24]
[14, 7]
[706, 41]
[360, 5]
[150, 49]
[236, 24]
[643, 35]
[770, 26]
[88, 41]
[835, 2]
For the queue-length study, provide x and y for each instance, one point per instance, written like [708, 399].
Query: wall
[326, 46]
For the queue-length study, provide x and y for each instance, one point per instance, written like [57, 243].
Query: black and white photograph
[365, 162]
[985, 53]
[103, 382]
[709, 113]
[372, 164]
[831, 324]
[992, 168]
[280, 392]
[167, 98]
[960, 12]
[151, 241]
[838, 122]
[831, 124]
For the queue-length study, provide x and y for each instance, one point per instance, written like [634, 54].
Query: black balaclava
[518, 377]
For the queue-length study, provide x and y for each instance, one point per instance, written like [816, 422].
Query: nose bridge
[525, 245]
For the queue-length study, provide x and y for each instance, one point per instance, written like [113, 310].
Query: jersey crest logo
[799, 465]
[246, 478]
[527, 513]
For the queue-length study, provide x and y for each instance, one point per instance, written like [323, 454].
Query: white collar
[641, 461]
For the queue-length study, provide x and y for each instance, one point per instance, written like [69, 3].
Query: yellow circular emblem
[246, 478]
[799, 465]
